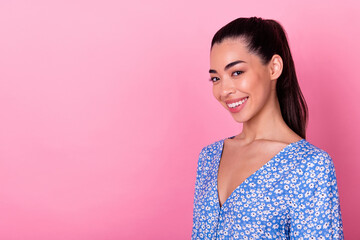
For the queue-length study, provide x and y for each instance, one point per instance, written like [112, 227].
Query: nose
[227, 87]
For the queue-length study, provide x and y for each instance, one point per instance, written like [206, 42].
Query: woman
[267, 182]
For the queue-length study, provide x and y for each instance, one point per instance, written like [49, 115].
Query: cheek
[260, 90]
[215, 92]
[247, 85]
[253, 84]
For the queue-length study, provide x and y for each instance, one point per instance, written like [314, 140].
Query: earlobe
[276, 67]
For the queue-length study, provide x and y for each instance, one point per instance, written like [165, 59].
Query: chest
[239, 163]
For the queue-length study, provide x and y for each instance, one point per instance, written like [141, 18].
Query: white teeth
[235, 104]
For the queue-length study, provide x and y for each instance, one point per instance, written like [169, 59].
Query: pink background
[106, 105]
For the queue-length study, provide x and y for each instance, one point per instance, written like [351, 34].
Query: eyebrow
[228, 66]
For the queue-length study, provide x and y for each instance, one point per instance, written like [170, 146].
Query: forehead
[229, 50]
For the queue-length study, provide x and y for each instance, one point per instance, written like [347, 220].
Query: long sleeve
[315, 213]
[205, 193]
[199, 171]
[197, 190]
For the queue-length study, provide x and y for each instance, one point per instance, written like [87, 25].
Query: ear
[275, 67]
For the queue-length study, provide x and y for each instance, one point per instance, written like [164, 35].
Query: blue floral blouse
[292, 196]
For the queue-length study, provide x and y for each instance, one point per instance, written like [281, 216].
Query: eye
[214, 79]
[237, 73]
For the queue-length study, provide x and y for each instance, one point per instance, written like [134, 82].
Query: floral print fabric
[293, 196]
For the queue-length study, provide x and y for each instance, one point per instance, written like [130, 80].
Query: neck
[267, 124]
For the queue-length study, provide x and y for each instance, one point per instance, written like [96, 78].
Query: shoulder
[212, 148]
[315, 164]
[314, 156]
[209, 152]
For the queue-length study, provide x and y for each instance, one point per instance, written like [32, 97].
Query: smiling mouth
[236, 104]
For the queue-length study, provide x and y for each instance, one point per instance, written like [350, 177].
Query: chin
[239, 119]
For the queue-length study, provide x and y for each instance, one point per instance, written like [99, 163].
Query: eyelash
[240, 72]
[217, 79]
[211, 79]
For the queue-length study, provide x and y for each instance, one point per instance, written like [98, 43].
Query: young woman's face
[241, 83]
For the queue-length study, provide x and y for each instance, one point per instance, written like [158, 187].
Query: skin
[264, 131]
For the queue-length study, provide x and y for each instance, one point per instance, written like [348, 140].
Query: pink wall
[106, 105]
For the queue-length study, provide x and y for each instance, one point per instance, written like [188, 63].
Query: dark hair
[266, 37]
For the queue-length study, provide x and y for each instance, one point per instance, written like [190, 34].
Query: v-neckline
[246, 179]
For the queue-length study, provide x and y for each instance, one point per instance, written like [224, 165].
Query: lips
[235, 105]
[235, 100]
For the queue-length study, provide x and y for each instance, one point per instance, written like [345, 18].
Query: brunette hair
[266, 37]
